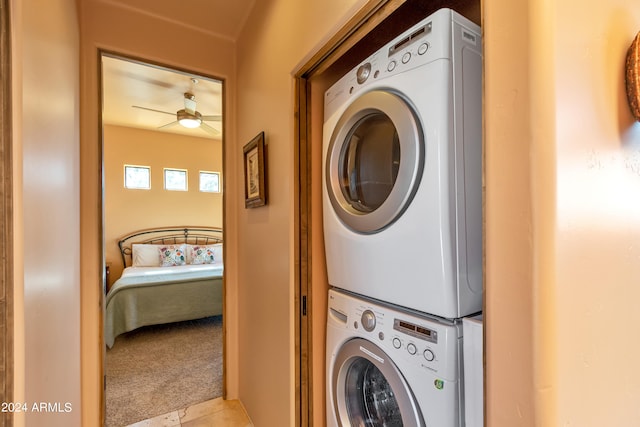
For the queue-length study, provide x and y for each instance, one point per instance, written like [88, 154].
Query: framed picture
[255, 188]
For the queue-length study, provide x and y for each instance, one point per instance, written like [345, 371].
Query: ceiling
[127, 83]
[221, 18]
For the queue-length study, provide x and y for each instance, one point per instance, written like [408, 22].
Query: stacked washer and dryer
[402, 213]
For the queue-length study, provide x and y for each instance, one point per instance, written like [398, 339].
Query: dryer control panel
[419, 45]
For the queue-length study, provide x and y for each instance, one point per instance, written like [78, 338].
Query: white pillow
[145, 255]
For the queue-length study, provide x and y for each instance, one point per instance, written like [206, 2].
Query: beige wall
[104, 25]
[277, 37]
[47, 250]
[597, 216]
[562, 216]
[128, 210]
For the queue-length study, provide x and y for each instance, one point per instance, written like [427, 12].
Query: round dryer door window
[369, 390]
[374, 161]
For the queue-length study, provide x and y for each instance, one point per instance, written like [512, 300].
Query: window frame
[185, 172]
[201, 173]
[147, 168]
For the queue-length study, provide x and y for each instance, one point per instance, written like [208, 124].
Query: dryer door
[374, 161]
[369, 390]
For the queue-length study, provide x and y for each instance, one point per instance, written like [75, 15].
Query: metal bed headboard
[169, 236]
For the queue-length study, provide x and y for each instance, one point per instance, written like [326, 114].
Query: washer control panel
[418, 339]
[416, 330]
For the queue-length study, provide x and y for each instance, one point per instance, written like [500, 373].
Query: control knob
[368, 320]
[363, 72]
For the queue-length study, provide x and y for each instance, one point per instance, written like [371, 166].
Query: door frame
[114, 54]
[6, 213]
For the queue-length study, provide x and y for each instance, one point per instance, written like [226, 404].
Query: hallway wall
[597, 216]
[278, 36]
[562, 179]
[46, 208]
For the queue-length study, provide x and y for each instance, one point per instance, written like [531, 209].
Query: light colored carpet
[159, 369]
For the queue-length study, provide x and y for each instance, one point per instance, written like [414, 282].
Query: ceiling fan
[189, 117]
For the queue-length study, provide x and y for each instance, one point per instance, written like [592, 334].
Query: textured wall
[562, 156]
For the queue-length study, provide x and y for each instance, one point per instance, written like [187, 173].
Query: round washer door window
[374, 161]
[370, 391]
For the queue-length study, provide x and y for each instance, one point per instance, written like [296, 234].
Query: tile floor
[212, 413]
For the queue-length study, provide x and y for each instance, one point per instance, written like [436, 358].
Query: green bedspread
[133, 302]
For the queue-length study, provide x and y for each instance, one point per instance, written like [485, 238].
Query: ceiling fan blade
[209, 129]
[168, 125]
[215, 118]
[151, 109]
[142, 78]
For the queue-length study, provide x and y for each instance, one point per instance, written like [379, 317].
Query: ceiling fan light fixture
[189, 123]
[189, 120]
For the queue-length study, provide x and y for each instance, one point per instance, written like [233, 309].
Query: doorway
[159, 172]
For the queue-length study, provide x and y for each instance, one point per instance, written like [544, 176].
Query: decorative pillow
[201, 254]
[145, 255]
[172, 255]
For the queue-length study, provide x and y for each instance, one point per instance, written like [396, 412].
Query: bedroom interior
[180, 317]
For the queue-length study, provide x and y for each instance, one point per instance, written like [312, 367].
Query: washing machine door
[374, 161]
[370, 391]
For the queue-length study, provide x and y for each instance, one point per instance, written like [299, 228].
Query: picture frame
[255, 173]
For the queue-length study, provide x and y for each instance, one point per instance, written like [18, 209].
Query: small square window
[210, 182]
[175, 179]
[137, 177]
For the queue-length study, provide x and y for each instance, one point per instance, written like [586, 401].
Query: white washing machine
[402, 165]
[391, 367]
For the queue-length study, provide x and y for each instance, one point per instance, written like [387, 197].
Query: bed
[171, 274]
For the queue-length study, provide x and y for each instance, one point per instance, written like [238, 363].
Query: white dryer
[402, 171]
[391, 367]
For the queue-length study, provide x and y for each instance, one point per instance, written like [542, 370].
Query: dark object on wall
[633, 77]
[255, 184]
